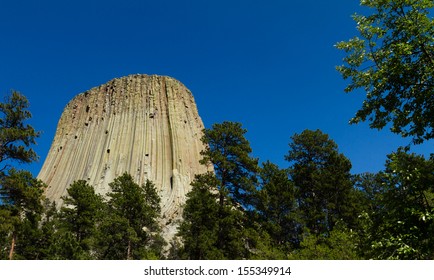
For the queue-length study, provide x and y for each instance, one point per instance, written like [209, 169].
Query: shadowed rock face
[147, 126]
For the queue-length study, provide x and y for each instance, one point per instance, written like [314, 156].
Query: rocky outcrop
[147, 126]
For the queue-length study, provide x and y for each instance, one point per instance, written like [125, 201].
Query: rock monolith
[147, 126]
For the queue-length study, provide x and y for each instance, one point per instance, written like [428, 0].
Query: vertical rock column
[147, 126]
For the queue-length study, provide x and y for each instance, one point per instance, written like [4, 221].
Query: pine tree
[229, 151]
[323, 181]
[7, 226]
[22, 207]
[131, 229]
[20, 193]
[200, 226]
[227, 233]
[277, 208]
[80, 217]
[48, 244]
[16, 136]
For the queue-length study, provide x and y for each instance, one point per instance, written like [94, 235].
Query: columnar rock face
[147, 126]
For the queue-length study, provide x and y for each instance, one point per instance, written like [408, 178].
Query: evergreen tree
[131, 229]
[370, 189]
[228, 151]
[227, 232]
[118, 239]
[277, 208]
[20, 193]
[49, 247]
[22, 208]
[211, 230]
[16, 136]
[79, 219]
[200, 226]
[323, 181]
[7, 226]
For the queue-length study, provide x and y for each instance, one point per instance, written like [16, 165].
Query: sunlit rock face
[147, 126]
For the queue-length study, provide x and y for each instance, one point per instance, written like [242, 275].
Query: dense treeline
[314, 209]
[87, 226]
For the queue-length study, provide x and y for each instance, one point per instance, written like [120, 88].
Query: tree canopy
[402, 225]
[131, 229]
[216, 221]
[228, 150]
[392, 60]
[323, 181]
[16, 136]
[20, 193]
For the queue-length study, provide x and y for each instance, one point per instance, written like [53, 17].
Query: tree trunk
[129, 250]
[11, 252]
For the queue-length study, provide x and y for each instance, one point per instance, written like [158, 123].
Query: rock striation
[147, 126]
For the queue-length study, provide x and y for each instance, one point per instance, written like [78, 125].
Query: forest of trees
[314, 208]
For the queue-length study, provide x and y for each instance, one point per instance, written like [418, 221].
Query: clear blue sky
[267, 64]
